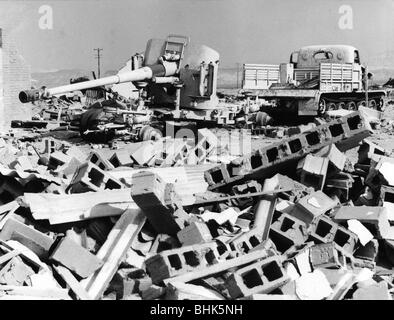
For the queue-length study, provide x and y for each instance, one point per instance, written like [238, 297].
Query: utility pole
[237, 74]
[98, 56]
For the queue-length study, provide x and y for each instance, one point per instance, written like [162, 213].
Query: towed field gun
[176, 82]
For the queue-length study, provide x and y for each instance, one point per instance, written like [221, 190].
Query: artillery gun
[176, 81]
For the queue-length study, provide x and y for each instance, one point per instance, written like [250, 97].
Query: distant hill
[227, 78]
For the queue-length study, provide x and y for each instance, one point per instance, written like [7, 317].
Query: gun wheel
[322, 107]
[150, 133]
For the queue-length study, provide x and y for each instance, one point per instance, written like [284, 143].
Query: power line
[98, 56]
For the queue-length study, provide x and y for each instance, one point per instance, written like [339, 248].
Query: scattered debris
[299, 218]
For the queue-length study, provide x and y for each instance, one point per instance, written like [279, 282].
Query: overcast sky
[254, 31]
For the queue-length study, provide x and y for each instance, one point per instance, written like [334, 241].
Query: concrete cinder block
[248, 187]
[121, 158]
[68, 169]
[246, 241]
[299, 256]
[324, 255]
[207, 142]
[386, 199]
[164, 242]
[340, 183]
[374, 218]
[33, 239]
[170, 263]
[144, 153]
[260, 277]
[195, 233]
[381, 173]
[312, 205]
[172, 151]
[336, 158]
[217, 175]
[287, 231]
[368, 151]
[263, 214]
[346, 132]
[10, 188]
[57, 159]
[100, 160]
[154, 197]
[369, 251]
[312, 171]
[296, 190]
[323, 230]
[90, 177]
[76, 258]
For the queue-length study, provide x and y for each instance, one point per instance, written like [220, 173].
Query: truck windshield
[322, 55]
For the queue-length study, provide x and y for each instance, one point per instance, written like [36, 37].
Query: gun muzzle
[29, 95]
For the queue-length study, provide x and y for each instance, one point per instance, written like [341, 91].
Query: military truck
[317, 78]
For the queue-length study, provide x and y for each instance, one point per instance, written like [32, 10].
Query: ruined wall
[14, 77]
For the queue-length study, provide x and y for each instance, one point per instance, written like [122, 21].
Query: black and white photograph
[219, 151]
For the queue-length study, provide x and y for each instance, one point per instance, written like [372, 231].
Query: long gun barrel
[165, 69]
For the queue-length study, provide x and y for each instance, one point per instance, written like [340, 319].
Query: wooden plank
[113, 251]
[240, 196]
[219, 267]
[6, 211]
[35, 265]
[9, 255]
[74, 284]
[79, 206]
[9, 206]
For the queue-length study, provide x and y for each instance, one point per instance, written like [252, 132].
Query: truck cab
[312, 56]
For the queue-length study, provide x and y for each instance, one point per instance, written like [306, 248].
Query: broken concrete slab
[377, 291]
[313, 286]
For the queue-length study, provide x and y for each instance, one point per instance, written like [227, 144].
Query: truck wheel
[372, 104]
[351, 105]
[341, 105]
[380, 105]
[322, 107]
[151, 133]
[89, 119]
[262, 118]
[362, 103]
[331, 106]
[142, 131]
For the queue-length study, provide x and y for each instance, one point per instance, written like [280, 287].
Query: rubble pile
[295, 219]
